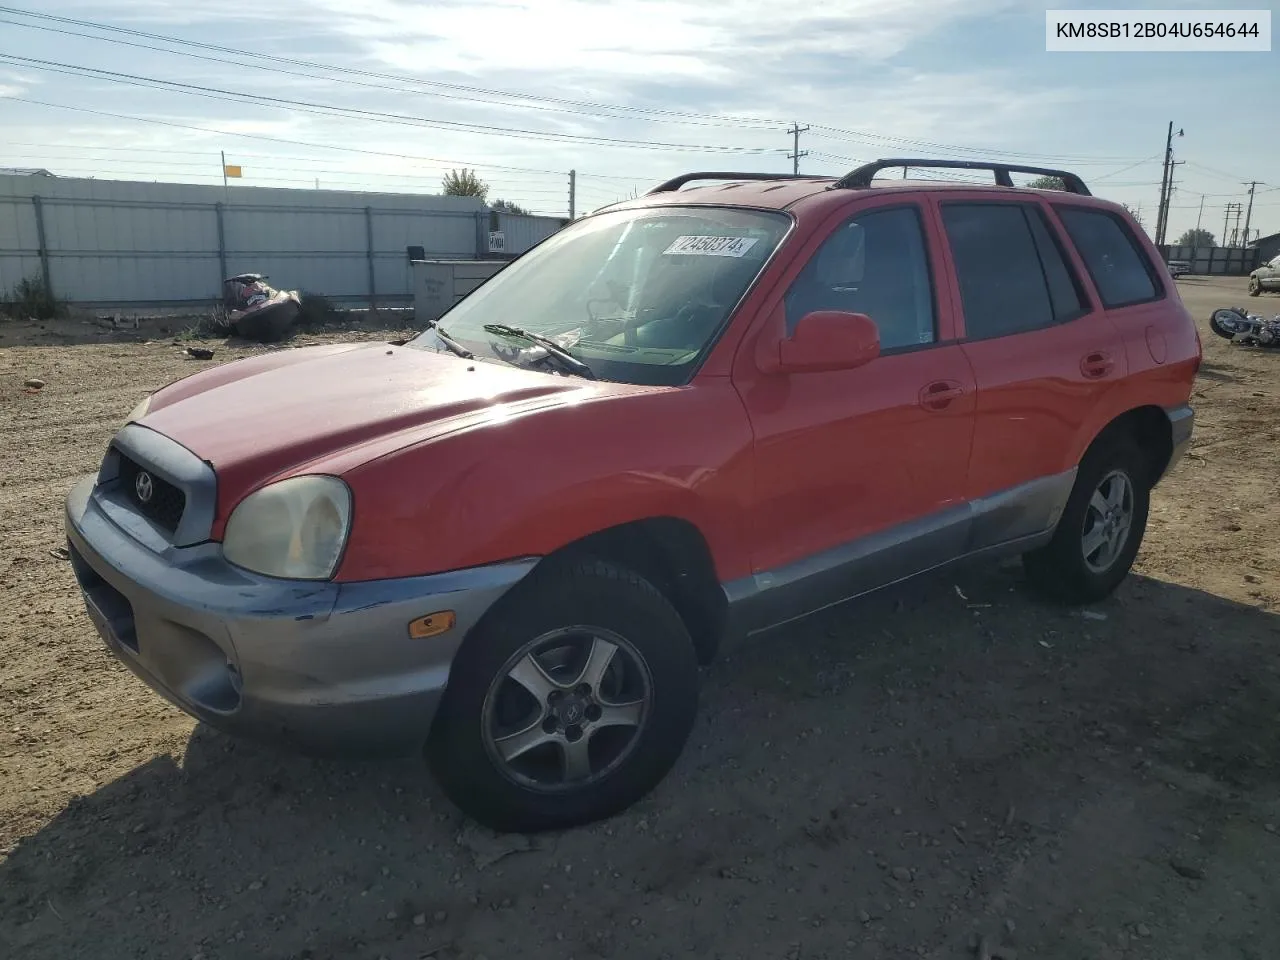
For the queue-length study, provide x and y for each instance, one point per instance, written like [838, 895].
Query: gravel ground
[951, 770]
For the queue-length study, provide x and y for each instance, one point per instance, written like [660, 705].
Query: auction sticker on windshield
[711, 246]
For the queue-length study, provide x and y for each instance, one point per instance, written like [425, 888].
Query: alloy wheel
[1107, 521]
[567, 709]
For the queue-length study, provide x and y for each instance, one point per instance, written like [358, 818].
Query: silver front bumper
[322, 666]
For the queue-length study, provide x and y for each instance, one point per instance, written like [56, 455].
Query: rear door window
[1012, 275]
[1120, 270]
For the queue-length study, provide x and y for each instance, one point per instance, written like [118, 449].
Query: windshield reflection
[637, 295]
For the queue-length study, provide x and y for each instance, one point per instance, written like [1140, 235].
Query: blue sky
[550, 85]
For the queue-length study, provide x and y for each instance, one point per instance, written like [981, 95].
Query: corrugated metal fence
[1223, 261]
[115, 243]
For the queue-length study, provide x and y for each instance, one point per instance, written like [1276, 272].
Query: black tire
[592, 594]
[1255, 287]
[1218, 329]
[1060, 569]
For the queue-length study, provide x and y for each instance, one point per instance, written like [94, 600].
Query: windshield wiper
[563, 356]
[449, 342]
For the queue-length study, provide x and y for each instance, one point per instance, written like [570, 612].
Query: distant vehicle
[690, 416]
[1266, 277]
[1179, 268]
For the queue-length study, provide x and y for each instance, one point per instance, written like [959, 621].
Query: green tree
[506, 206]
[1047, 183]
[1137, 217]
[464, 183]
[1196, 238]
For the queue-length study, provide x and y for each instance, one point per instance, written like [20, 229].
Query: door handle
[1097, 364]
[939, 394]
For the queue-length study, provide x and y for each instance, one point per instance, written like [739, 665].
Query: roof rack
[863, 176]
[675, 183]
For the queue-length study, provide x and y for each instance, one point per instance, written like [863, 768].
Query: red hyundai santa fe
[509, 542]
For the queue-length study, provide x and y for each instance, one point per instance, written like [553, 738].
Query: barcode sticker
[710, 246]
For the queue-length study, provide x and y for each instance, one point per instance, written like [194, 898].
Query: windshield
[638, 295]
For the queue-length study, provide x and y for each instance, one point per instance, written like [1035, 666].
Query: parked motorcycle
[1250, 329]
[258, 311]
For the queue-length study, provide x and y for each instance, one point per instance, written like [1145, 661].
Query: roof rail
[863, 176]
[675, 183]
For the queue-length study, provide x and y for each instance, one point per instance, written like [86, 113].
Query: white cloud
[854, 64]
[637, 37]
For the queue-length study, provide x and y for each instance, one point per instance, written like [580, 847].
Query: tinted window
[874, 264]
[1003, 283]
[1064, 289]
[1119, 269]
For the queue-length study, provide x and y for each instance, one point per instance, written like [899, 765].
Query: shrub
[30, 299]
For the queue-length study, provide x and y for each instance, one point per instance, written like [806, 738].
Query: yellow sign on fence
[231, 171]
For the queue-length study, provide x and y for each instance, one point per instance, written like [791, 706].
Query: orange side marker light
[432, 625]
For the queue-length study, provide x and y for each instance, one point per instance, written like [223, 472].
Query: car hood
[334, 407]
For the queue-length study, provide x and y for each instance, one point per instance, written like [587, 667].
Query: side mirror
[825, 340]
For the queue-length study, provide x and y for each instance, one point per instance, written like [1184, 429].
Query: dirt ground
[895, 778]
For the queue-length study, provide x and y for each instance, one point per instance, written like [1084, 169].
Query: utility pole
[573, 190]
[1166, 186]
[1173, 185]
[1252, 184]
[796, 153]
[226, 193]
[1200, 216]
[1233, 208]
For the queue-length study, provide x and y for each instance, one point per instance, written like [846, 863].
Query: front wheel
[1100, 530]
[568, 704]
[1255, 287]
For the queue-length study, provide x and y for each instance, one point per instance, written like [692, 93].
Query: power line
[256, 56]
[439, 164]
[584, 107]
[856, 136]
[296, 143]
[214, 178]
[1116, 173]
[377, 116]
[270, 139]
[1216, 173]
[48, 159]
[251, 64]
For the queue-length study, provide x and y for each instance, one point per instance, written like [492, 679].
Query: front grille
[166, 503]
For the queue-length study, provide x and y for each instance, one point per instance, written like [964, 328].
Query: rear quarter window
[1121, 271]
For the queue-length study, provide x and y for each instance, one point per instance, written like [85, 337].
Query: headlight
[140, 410]
[296, 528]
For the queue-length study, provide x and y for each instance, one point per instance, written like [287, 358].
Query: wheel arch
[671, 553]
[1149, 428]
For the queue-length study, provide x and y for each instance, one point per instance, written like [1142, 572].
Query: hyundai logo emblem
[144, 487]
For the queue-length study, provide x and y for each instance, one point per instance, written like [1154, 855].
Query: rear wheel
[567, 705]
[1101, 527]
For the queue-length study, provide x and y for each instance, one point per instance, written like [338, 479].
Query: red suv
[511, 540]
